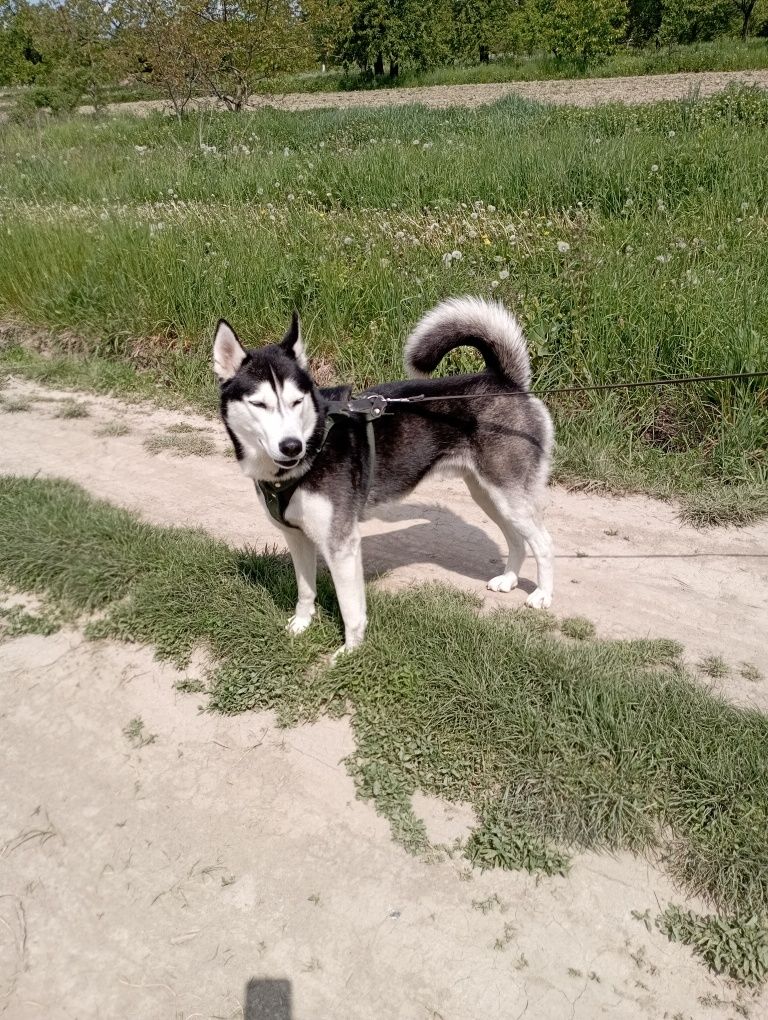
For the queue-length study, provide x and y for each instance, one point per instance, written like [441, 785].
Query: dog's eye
[297, 403]
[258, 403]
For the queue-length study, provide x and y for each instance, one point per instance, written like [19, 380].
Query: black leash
[277, 494]
[420, 398]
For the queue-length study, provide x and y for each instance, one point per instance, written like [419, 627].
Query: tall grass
[720, 55]
[632, 243]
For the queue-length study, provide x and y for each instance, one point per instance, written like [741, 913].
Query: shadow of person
[268, 999]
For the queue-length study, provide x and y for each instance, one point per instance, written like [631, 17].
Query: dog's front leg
[304, 556]
[346, 566]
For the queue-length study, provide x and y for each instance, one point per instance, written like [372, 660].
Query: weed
[135, 733]
[505, 938]
[15, 622]
[750, 672]
[113, 429]
[575, 973]
[190, 685]
[520, 962]
[492, 903]
[714, 666]
[183, 445]
[315, 899]
[498, 844]
[15, 405]
[644, 916]
[72, 409]
[577, 627]
[736, 946]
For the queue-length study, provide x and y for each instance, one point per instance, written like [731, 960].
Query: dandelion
[286, 151]
[348, 240]
[456, 254]
[670, 134]
[503, 274]
[447, 258]
[486, 241]
[291, 197]
[563, 247]
[141, 149]
[491, 208]
[680, 244]
[655, 168]
[494, 284]
[663, 259]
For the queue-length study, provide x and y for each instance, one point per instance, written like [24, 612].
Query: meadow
[630, 241]
[724, 54]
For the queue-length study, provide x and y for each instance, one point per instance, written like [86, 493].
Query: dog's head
[268, 399]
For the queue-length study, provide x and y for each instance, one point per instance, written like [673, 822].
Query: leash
[277, 494]
[421, 398]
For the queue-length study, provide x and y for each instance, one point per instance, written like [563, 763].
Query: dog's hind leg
[519, 523]
[516, 546]
[304, 556]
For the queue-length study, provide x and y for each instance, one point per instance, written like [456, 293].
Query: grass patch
[16, 621]
[558, 745]
[736, 946]
[577, 627]
[714, 666]
[15, 405]
[113, 429]
[72, 409]
[750, 672]
[136, 734]
[631, 242]
[180, 444]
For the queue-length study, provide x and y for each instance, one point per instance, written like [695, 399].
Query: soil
[225, 869]
[566, 92]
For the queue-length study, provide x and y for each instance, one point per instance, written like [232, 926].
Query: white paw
[298, 624]
[539, 599]
[504, 582]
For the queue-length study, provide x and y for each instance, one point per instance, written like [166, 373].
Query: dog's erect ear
[292, 343]
[228, 352]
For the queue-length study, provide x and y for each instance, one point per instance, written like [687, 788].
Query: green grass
[559, 745]
[631, 243]
[720, 55]
[16, 622]
[736, 947]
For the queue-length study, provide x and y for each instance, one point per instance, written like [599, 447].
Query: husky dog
[499, 440]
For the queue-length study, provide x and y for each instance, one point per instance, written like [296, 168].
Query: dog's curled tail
[470, 322]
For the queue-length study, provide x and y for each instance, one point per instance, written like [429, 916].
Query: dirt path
[187, 878]
[567, 92]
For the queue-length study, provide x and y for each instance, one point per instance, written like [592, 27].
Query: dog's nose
[290, 447]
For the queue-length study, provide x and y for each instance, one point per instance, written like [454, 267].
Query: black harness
[277, 494]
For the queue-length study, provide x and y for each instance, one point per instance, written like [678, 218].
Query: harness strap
[277, 495]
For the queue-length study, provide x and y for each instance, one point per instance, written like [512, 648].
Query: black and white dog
[322, 479]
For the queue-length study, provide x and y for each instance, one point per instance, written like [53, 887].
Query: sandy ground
[567, 92]
[226, 869]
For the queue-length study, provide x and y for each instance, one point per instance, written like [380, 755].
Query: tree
[18, 55]
[746, 9]
[239, 43]
[161, 43]
[579, 30]
[688, 21]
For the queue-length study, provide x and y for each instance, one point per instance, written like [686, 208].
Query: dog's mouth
[287, 464]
